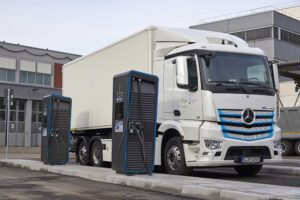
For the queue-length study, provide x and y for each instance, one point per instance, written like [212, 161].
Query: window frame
[188, 86]
[36, 74]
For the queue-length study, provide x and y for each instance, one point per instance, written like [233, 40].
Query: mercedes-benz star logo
[248, 116]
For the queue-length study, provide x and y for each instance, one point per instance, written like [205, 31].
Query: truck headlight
[277, 144]
[213, 144]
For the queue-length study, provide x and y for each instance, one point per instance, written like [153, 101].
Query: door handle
[176, 113]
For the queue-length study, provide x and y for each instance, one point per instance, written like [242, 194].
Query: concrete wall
[286, 51]
[266, 44]
[286, 22]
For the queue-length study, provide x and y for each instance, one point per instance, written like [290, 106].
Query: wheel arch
[167, 135]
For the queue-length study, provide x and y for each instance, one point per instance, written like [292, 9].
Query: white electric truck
[217, 103]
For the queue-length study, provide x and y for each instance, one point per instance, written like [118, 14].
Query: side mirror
[276, 76]
[182, 70]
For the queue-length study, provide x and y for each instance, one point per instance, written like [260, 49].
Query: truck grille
[233, 126]
[257, 151]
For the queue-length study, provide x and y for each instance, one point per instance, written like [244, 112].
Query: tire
[248, 170]
[297, 147]
[286, 147]
[82, 153]
[174, 159]
[97, 154]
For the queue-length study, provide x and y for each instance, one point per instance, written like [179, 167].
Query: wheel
[297, 147]
[174, 159]
[96, 154]
[82, 154]
[286, 147]
[247, 170]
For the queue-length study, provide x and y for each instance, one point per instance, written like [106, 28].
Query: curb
[177, 185]
[281, 170]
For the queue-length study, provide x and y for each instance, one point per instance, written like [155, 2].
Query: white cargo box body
[88, 80]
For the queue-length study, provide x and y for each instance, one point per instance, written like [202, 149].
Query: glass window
[256, 73]
[259, 33]
[40, 117]
[14, 105]
[275, 32]
[21, 127]
[47, 79]
[192, 72]
[7, 75]
[33, 117]
[290, 37]
[22, 104]
[35, 78]
[2, 115]
[37, 106]
[237, 68]
[2, 127]
[39, 79]
[2, 106]
[263, 33]
[31, 77]
[11, 75]
[13, 116]
[250, 35]
[2, 74]
[284, 35]
[21, 117]
[241, 35]
[23, 77]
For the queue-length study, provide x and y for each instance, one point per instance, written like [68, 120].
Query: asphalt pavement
[226, 173]
[22, 184]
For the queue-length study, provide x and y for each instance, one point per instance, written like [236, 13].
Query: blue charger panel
[134, 122]
[56, 129]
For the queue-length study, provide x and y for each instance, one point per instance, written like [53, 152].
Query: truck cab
[220, 102]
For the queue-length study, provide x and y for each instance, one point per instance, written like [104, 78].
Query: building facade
[32, 73]
[275, 32]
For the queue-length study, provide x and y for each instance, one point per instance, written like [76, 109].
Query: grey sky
[82, 26]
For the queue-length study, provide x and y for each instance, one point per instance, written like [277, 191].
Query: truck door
[169, 72]
[187, 99]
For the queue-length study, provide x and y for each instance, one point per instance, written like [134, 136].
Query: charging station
[134, 122]
[56, 129]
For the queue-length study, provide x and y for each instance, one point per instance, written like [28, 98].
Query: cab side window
[192, 74]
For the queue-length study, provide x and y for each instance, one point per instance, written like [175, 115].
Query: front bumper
[197, 155]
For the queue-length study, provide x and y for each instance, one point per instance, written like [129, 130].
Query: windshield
[237, 68]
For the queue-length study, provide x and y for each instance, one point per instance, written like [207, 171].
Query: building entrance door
[16, 123]
[36, 123]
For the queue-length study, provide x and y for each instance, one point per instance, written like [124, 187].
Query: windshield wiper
[261, 85]
[237, 84]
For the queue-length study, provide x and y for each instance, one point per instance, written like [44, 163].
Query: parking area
[16, 183]
[211, 183]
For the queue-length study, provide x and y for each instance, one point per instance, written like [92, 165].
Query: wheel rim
[82, 153]
[298, 148]
[283, 147]
[174, 157]
[96, 155]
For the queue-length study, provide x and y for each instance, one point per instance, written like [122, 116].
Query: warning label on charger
[118, 126]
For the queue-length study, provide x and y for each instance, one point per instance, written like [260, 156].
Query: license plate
[250, 160]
